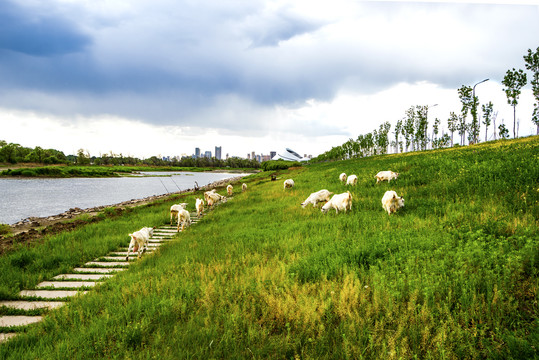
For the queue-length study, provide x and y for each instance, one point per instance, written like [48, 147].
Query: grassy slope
[452, 275]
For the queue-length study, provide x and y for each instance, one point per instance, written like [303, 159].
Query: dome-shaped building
[288, 155]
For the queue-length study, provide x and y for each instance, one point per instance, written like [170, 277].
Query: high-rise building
[272, 154]
[207, 154]
[218, 152]
[197, 153]
[253, 156]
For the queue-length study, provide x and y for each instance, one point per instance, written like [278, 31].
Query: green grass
[452, 275]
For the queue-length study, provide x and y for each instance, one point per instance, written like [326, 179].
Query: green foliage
[532, 64]
[454, 274]
[514, 81]
[5, 229]
[273, 165]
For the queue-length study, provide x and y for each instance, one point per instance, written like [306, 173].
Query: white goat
[243, 187]
[316, 197]
[342, 177]
[288, 183]
[183, 218]
[386, 175]
[174, 210]
[391, 202]
[199, 205]
[212, 197]
[139, 241]
[352, 180]
[338, 202]
[229, 190]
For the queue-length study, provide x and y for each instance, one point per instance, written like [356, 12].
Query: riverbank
[34, 228]
[71, 171]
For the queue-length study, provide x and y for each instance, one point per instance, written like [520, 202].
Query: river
[24, 198]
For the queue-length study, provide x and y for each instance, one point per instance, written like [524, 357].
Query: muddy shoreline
[33, 228]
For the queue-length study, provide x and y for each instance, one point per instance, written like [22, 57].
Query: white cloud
[256, 76]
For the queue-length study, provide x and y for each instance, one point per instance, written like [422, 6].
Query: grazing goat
[386, 175]
[342, 177]
[288, 183]
[391, 202]
[183, 218]
[229, 190]
[174, 210]
[139, 241]
[212, 197]
[199, 205]
[352, 180]
[316, 197]
[338, 202]
[243, 187]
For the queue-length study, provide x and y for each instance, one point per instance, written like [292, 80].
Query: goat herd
[391, 202]
[139, 239]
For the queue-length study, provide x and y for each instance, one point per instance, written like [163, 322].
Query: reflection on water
[23, 198]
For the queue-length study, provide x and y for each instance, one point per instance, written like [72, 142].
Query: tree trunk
[514, 121]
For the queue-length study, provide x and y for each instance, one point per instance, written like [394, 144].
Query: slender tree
[382, 140]
[514, 81]
[398, 129]
[452, 124]
[465, 95]
[422, 124]
[409, 127]
[487, 116]
[435, 131]
[532, 64]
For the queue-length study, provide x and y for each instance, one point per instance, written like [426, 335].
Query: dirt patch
[34, 228]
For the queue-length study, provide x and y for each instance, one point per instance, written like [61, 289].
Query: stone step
[31, 305]
[18, 320]
[6, 336]
[82, 276]
[124, 253]
[51, 294]
[116, 258]
[96, 270]
[66, 284]
[107, 263]
[161, 237]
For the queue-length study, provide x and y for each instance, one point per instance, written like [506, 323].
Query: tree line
[14, 153]
[411, 132]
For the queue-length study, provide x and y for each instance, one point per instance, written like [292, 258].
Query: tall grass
[451, 275]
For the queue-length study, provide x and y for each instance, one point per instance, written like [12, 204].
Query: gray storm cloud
[185, 63]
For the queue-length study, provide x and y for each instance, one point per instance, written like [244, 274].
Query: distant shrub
[279, 165]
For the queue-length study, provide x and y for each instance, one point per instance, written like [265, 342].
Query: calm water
[20, 199]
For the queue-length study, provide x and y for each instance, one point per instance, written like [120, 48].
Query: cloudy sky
[161, 77]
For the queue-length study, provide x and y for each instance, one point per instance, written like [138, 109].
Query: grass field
[452, 275]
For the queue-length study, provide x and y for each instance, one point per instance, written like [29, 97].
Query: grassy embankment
[98, 171]
[452, 275]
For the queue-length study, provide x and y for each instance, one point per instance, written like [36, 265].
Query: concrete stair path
[51, 294]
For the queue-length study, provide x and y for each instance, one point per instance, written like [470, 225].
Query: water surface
[23, 198]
